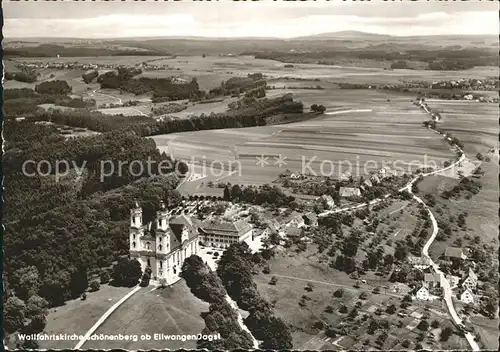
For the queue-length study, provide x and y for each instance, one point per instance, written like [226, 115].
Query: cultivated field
[357, 141]
[474, 123]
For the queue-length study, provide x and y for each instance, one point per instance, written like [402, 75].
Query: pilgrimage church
[163, 244]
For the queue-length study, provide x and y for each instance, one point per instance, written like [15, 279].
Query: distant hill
[345, 35]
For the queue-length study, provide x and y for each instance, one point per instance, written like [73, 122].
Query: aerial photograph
[250, 175]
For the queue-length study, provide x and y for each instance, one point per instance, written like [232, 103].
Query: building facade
[163, 244]
[219, 233]
[423, 293]
[470, 281]
[467, 296]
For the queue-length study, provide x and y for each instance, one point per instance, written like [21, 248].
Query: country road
[119, 101]
[95, 91]
[445, 284]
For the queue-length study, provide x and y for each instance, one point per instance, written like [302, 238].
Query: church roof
[175, 229]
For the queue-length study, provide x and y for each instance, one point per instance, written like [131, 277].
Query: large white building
[162, 244]
[216, 232]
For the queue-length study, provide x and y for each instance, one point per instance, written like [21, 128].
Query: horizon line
[306, 37]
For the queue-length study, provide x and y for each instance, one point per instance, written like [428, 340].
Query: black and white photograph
[250, 175]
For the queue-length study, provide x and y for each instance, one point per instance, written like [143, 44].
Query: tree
[277, 335]
[56, 87]
[79, 281]
[127, 273]
[94, 286]
[26, 282]
[227, 193]
[104, 277]
[338, 293]
[391, 309]
[236, 192]
[446, 333]
[36, 305]
[435, 324]
[406, 343]
[14, 311]
[145, 279]
[37, 324]
[182, 167]
[423, 325]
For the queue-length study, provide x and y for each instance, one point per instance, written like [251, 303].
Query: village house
[419, 262]
[272, 226]
[454, 280]
[346, 176]
[375, 179]
[297, 232]
[296, 221]
[467, 296]
[432, 280]
[349, 192]
[401, 288]
[455, 252]
[423, 293]
[310, 219]
[216, 232]
[470, 281]
[162, 244]
[327, 201]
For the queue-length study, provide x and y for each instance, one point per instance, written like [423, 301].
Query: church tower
[162, 241]
[136, 228]
[136, 216]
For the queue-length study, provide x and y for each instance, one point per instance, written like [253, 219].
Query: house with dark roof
[216, 232]
[432, 280]
[162, 244]
[327, 201]
[466, 296]
[470, 281]
[310, 219]
[349, 192]
[419, 262]
[455, 252]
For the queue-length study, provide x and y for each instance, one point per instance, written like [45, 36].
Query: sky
[266, 18]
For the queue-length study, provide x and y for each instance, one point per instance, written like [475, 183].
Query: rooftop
[454, 252]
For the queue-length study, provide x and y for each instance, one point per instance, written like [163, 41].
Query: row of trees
[265, 194]
[221, 317]
[26, 75]
[56, 87]
[235, 270]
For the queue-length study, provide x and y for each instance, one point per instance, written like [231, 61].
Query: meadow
[61, 320]
[172, 310]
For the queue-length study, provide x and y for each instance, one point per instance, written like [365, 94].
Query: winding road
[445, 284]
[119, 101]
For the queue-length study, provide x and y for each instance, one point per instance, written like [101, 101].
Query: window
[160, 247]
[133, 244]
[148, 245]
[149, 262]
[161, 264]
